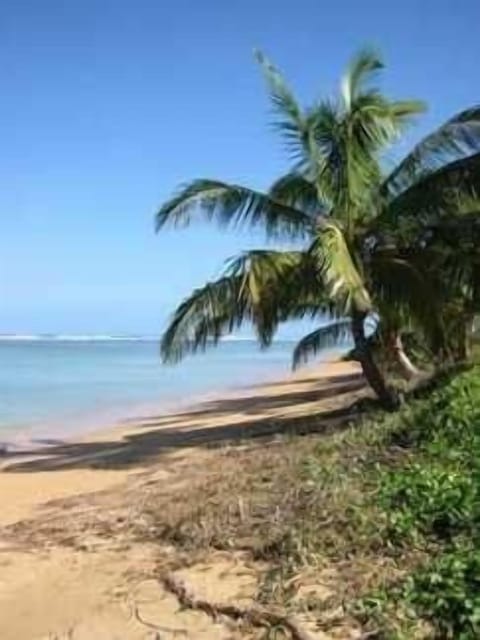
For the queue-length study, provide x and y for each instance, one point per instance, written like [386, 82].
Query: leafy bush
[429, 500]
[447, 594]
[441, 601]
[451, 415]
[434, 498]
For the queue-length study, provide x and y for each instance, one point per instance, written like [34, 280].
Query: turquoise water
[67, 384]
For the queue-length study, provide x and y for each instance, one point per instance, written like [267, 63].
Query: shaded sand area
[90, 529]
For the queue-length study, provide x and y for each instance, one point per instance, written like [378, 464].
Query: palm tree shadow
[257, 404]
[155, 437]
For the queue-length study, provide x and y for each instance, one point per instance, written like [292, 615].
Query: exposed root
[257, 617]
[151, 625]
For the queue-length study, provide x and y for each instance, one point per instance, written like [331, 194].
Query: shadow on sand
[325, 404]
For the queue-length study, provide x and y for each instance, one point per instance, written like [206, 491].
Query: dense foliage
[433, 503]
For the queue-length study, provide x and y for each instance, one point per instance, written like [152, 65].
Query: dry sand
[60, 579]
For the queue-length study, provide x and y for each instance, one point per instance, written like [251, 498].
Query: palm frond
[291, 121]
[447, 192]
[262, 271]
[343, 160]
[341, 276]
[262, 288]
[281, 95]
[233, 205]
[281, 286]
[327, 153]
[204, 317]
[360, 72]
[457, 138]
[294, 190]
[349, 146]
[322, 338]
[405, 289]
[378, 121]
[367, 123]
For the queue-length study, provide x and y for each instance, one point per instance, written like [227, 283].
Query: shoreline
[107, 381]
[93, 421]
[109, 454]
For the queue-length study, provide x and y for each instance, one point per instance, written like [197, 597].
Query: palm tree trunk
[406, 365]
[387, 396]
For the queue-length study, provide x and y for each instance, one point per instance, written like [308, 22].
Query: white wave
[74, 338]
[96, 338]
[19, 337]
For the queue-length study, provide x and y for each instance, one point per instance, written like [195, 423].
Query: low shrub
[429, 500]
[447, 594]
[433, 501]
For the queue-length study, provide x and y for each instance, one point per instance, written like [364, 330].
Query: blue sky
[106, 106]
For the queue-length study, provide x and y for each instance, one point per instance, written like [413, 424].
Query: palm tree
[348, 214]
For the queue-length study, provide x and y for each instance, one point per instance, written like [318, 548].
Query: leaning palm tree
[343, 208]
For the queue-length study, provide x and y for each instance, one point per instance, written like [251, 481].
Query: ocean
[65, 384]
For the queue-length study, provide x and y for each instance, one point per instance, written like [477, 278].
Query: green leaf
[342, 278]
[259, 287]
[233, 205]
[296, 191]
[361, 71]
[322, 338]
[459, 137]
[443, 193]
[291, 121]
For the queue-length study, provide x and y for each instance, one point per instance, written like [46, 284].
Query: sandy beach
[70, 566]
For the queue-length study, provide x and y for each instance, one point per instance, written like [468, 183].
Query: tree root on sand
[257, 617]
[153, 626]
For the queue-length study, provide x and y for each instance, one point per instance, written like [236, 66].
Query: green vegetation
[431, 499]
[382, 518]
[394, 246]
[433, 503]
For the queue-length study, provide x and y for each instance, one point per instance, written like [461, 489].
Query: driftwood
[256, 616]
